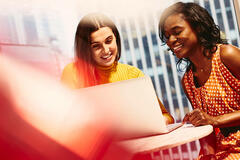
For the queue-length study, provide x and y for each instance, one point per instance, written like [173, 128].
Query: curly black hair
[202, 23]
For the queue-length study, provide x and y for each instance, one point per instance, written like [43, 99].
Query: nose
[172, 39]
[106, 48]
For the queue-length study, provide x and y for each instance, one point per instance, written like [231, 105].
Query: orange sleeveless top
[219, 95]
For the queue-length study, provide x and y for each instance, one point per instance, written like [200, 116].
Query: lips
[177, 48]
[107, 57]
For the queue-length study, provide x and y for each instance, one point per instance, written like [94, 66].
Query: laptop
[132, 104]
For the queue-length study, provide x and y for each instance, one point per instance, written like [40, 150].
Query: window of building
[230, 20]
[207, 7]
[146, 51]
[217, 4]
[135, 43]
[126, 44]
[30, 29]
[220, 21]
[8, 29]
[227, 3]
[154, 38]
[139, 64]
[235, 43]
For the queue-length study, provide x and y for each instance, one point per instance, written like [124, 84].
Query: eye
[177, 32]
[109, 40]
[95, 46]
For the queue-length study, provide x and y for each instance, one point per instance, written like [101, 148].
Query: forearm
[228, 120]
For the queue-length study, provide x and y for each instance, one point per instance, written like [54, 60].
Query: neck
[108, 68]
[199, 60]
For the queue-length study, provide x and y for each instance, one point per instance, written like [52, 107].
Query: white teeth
[177, 47]
[106, 56]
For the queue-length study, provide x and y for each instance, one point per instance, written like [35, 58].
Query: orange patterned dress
[218, 96]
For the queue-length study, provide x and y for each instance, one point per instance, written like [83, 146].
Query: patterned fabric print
[218, 96]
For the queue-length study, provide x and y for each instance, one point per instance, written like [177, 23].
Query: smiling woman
[212, 79]
[103, 46]
[180, 36]
[97, 51]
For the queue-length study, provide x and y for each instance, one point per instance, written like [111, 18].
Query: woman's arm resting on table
[198, 118]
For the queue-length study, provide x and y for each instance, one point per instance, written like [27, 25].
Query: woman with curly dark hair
[212, 79]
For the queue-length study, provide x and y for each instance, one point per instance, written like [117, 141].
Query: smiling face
[181, 38]
[103, 47]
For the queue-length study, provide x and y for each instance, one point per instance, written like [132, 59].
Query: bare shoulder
[230, 56]
[229, 53]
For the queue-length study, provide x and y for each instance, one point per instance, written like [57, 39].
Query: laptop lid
[133, 105]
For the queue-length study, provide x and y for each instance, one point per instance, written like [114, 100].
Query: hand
[199, 118]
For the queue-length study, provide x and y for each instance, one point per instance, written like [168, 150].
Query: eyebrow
[176, 27]
[109, 37]
[93, 42]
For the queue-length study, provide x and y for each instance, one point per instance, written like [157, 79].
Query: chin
[180, 55]
[107, 64]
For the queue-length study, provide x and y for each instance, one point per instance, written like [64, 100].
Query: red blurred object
[20, 140]
[41, 119]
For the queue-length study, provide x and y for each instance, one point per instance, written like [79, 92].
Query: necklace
[202, 70]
